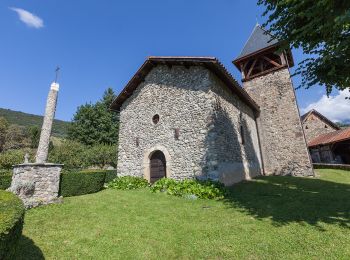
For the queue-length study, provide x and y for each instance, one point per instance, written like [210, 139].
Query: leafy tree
[34, 136]
[76, 155]
[70, 153]
[322, 29]
[3, 130]
[16, 138]
[95, 123]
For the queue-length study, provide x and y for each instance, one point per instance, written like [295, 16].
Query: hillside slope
[23, 119]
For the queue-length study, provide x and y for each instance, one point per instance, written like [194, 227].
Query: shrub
[128, 183]
[12, 157]
[101, 155]
[11, 223]
[200, 189]
[110, 175]
[75, 155]
[69, 153]
[345, 167]
[76, 183]
[5, 179]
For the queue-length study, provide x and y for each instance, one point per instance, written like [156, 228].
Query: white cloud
[336, 107]
[28, 18]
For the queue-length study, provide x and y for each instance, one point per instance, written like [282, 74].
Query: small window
[155, 119]
[242, 134]
[325, 126]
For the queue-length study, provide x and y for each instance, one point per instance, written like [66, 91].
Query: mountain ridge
[59, 128]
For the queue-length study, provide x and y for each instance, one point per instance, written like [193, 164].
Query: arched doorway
[157, 166]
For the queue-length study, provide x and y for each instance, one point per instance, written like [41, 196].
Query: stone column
[43, 148]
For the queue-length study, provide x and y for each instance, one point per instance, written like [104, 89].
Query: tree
[95, 123]
[34, 136]
[16, 138]
[3, 130]
[322, 29]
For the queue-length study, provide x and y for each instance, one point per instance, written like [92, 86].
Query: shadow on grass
[26, 249]
[291, 199]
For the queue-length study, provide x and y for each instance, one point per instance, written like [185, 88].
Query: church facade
[187, 117]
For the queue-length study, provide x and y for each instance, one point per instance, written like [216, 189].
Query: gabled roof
[320, 116]
[210, 63]
[330, 138]
[258, 40]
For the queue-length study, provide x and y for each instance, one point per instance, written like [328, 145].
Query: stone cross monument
[38, 183]
[43, 148]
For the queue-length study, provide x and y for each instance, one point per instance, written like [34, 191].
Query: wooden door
[158, 166]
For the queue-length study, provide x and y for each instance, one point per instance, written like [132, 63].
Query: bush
[128, 183]
[5, 179]
[199, 189]
[11, 223]
[76, 183]
[69, 153]
[13, 157]
[110, 175]
[101, 155]
[76, 155]
[345, 167]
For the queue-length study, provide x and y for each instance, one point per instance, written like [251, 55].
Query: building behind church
[327, 142]
[187, 117]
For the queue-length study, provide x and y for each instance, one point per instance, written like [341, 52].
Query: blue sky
[101, 44]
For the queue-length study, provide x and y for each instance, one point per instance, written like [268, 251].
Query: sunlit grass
[268, 218]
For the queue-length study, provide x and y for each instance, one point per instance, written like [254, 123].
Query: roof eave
[238, 60]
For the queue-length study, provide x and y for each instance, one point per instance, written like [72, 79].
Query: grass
[268, 218]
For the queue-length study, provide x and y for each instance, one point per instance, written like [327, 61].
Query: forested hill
[23, 119]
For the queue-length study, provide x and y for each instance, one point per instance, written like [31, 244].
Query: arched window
[155, 119]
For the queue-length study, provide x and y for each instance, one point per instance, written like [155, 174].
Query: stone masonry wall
[233, 159]
[281, 135]
[36, 184]
[314, 126]
[181, 98]
[193, 101]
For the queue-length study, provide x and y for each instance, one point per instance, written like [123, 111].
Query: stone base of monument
[36, 183]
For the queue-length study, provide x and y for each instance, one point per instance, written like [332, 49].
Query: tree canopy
[322, 29]
[95, 123]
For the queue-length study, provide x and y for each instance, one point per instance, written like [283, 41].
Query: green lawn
[268, 218]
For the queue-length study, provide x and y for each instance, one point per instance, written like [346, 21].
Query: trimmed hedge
[5, 179]
[345, 167]
[110, 175]
[11, 223]
[74, 183]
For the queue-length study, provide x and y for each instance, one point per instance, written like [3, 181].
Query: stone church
[187, 117]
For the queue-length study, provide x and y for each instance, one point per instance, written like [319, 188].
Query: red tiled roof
[330, 138]
[210, 63]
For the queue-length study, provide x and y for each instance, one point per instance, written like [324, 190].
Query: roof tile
[330, 138]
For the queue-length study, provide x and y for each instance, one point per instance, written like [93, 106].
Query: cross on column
[57, 71]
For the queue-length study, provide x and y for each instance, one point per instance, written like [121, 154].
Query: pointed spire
[258, 40]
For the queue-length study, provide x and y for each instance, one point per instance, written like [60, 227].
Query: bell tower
[266, 78]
